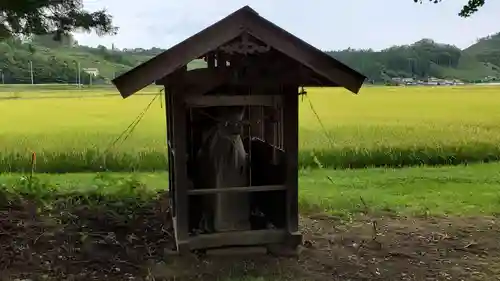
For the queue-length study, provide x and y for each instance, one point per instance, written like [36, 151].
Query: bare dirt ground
[98, 244]
[403, 249]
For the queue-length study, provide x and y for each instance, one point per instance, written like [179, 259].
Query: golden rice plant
[382, 126]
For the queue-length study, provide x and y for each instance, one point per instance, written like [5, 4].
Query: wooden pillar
[291, 146]
[221, 59]
[211, 60]
[171, 174]
[180, 169]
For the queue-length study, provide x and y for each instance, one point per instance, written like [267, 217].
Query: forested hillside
[427, 58]
[486, 49]
[59, 62]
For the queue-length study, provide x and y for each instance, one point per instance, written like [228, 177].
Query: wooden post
[211, 60]
[180, 162]
[171, 167]
[291, 145]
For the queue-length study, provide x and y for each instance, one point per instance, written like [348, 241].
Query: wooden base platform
[240, 239]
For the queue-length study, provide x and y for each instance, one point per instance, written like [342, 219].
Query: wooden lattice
[244, 46]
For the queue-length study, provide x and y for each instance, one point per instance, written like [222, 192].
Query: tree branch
[58, 17]
[468, 9]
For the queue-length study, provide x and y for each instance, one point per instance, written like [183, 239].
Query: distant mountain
[487, 49]
[58, 62]
[427, 58]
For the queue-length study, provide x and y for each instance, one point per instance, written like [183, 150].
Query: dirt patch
[88, 242]
[401, 249]
[102, 243]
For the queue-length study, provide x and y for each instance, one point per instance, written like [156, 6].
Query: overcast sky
[326, 24]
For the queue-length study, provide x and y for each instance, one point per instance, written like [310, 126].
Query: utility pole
[79, 78]
[90, 79]
[410, 66]
[3, 78]
[77, 73]
[31, 72]
[76, 77]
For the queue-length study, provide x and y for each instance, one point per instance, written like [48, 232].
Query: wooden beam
[207, 101]
[239, 238]
[227, 75]
[291, 146]
[261, 188]
[171, 168]
[180, 241]
[180, 164]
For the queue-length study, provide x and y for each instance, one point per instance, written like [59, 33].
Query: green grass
[458, 190]
[380, 127]
[451, 190]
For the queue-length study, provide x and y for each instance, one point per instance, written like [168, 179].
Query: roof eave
[320, 62]
[176, 57]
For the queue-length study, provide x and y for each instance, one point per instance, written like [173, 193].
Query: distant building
[93, 71]
[430, 81]
[403, 81]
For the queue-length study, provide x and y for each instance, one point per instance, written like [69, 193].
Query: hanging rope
[325, 131]
[125, 134]
[323, 128]
[128, 131]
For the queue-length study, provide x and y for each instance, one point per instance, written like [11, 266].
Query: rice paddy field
[72, 130]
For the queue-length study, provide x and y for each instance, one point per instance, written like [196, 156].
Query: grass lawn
[454, 190]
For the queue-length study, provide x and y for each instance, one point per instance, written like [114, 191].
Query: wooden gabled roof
[227, 29]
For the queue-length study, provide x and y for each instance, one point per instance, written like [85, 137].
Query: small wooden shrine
[232, 129]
